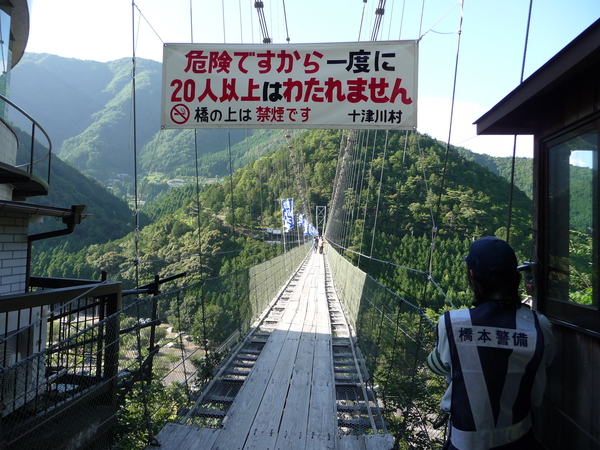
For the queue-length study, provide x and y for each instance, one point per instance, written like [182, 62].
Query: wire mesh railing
[394, 337]
[117, 374]
[59, 365]
[200, 323]
[86, 368]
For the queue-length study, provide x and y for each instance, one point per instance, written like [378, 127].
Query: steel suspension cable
[438, 206]
[287, 33]
[368, 190]
[134, 125]
[363, 145]
[439, 201]
[358, 185]
[259, 5]
[231, 182]
[379, 192]
[147, 420]
[362, 18]
[350, 188]
[345, 147]
[379, 11]
[223, 16]
[241, 22]
[198, 218]
[514, 155]
[148, 23]
[191, 24]
[402, 20]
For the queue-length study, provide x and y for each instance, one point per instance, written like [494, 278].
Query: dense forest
[405, 210]
[402, 206]
[230, 215]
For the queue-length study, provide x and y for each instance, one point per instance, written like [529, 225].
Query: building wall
[569, 418]
[13, 252]
[8, 155]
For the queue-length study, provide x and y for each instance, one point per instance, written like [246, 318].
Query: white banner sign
[363, 85]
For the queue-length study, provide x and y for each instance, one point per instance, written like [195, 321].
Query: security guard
[494, 356]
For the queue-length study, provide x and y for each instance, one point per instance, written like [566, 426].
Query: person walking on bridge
[494, 356]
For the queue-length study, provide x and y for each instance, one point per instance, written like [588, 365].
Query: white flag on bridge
[287, 212]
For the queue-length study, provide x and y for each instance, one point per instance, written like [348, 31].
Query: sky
[491, 34]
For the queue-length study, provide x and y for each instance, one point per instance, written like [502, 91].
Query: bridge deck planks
[288, 399]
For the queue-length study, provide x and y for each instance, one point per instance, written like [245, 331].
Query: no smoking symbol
[180, 114]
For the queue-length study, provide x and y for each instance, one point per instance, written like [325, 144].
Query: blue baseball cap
[491, 254]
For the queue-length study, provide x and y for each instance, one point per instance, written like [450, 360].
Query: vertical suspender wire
[233, 233]
[405, 145]
[363, 144]
[362, 18]
[223, 9]
[241, 24]
[349, 189]
[422, 14]
[341, 188]
[357, 187]
[348, 211]
[379, 16]
[402, 20]
[231, 183]
[379, 192]
[422, 156]
[151, 438]
[390, 21]
[514, 155]
[436, 217]
[135, 173]
[347, 183]
[368, 189]
[182, 346]
[437, 213]
[287, 33]
[191, 24]
[333, 235]
[198, 219]
[439, 201]
[352, 190]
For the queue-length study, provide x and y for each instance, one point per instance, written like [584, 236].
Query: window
[571, 226]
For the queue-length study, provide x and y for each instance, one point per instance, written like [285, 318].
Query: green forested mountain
[235, 211]
[88, 113]
[87, 110]
[62, 94]
[109, 217]
[503, 167]
[391, 222]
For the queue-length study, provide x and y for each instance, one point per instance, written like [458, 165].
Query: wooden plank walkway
[288, 400]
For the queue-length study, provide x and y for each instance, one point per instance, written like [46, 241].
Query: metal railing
[59, 358]
[395, 338]
[87, 364]
[32, 161]
[199, 324]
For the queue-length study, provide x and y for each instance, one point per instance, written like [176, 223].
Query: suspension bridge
[323, 356]
[295, 381]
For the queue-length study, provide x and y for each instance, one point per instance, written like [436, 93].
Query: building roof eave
[37, 210]
[515, 113]
[19, 28]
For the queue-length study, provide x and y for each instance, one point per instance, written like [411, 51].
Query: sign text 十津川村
[342, 85]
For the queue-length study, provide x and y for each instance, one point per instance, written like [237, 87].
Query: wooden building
[560, 106]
